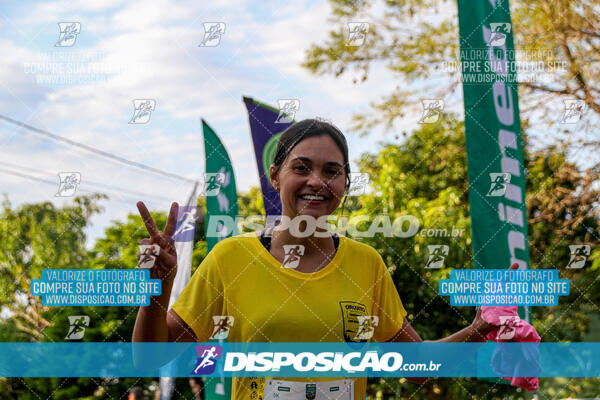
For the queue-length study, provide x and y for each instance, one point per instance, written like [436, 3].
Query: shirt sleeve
[202, 298]
[387, 305]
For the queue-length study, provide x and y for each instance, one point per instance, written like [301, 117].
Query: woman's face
[312, 178]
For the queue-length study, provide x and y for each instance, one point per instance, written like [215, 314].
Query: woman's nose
[315, 180]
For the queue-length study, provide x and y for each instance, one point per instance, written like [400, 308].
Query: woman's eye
[301, 168]
[334, 172]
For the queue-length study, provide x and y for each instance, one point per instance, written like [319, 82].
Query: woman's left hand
[480, 326]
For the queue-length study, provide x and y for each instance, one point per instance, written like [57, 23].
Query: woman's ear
[274, 177]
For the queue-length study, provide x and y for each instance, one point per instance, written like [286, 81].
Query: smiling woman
[277, 286]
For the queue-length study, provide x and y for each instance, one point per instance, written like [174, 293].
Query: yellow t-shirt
[268, 303]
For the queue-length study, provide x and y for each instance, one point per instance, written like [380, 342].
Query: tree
[426, 176]
[564, 31]
[35, 237]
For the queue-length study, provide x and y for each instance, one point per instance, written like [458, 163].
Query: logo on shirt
[207, 359]
[356, 321]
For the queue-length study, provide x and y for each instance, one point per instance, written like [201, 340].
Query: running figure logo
[147, 255]
[358, 184]
[68, 183]
[437, 254]
[357, 33]
[77, 325]
[292, 254]
[579, 255]
[574, 110]
[212, 34]
[186, 223]
[68, 33]
[222, 325]
[498, 185]
[498, 34]
[287, 110]
[213, 183]
[508, 323]
[432, 110]
[207, 359]
[224, 178]
[142, 110]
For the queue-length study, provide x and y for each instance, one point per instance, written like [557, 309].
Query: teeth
[311, 197]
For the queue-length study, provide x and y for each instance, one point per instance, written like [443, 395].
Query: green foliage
[36, 237]
[426, 176]
[415, 38]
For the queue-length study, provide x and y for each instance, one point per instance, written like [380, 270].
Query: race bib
[289, 390]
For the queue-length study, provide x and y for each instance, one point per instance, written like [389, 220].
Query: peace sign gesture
[165, 267]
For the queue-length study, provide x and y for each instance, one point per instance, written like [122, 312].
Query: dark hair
[304, 129]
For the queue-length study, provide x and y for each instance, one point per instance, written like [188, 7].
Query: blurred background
[68, 104]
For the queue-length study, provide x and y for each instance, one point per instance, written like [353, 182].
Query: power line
[94, 150]
[91, 184]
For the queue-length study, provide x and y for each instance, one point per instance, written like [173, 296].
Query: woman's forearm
[471, 333]
[151, 321]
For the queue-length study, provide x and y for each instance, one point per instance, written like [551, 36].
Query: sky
[134, 49]
[127, 50]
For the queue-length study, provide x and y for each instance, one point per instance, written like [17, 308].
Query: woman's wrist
[479, 330]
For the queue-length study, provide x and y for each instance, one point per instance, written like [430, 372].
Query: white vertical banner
[185, 230]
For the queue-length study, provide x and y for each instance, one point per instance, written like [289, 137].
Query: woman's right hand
[165, 266]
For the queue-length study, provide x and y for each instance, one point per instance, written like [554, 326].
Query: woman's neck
[318, 241]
